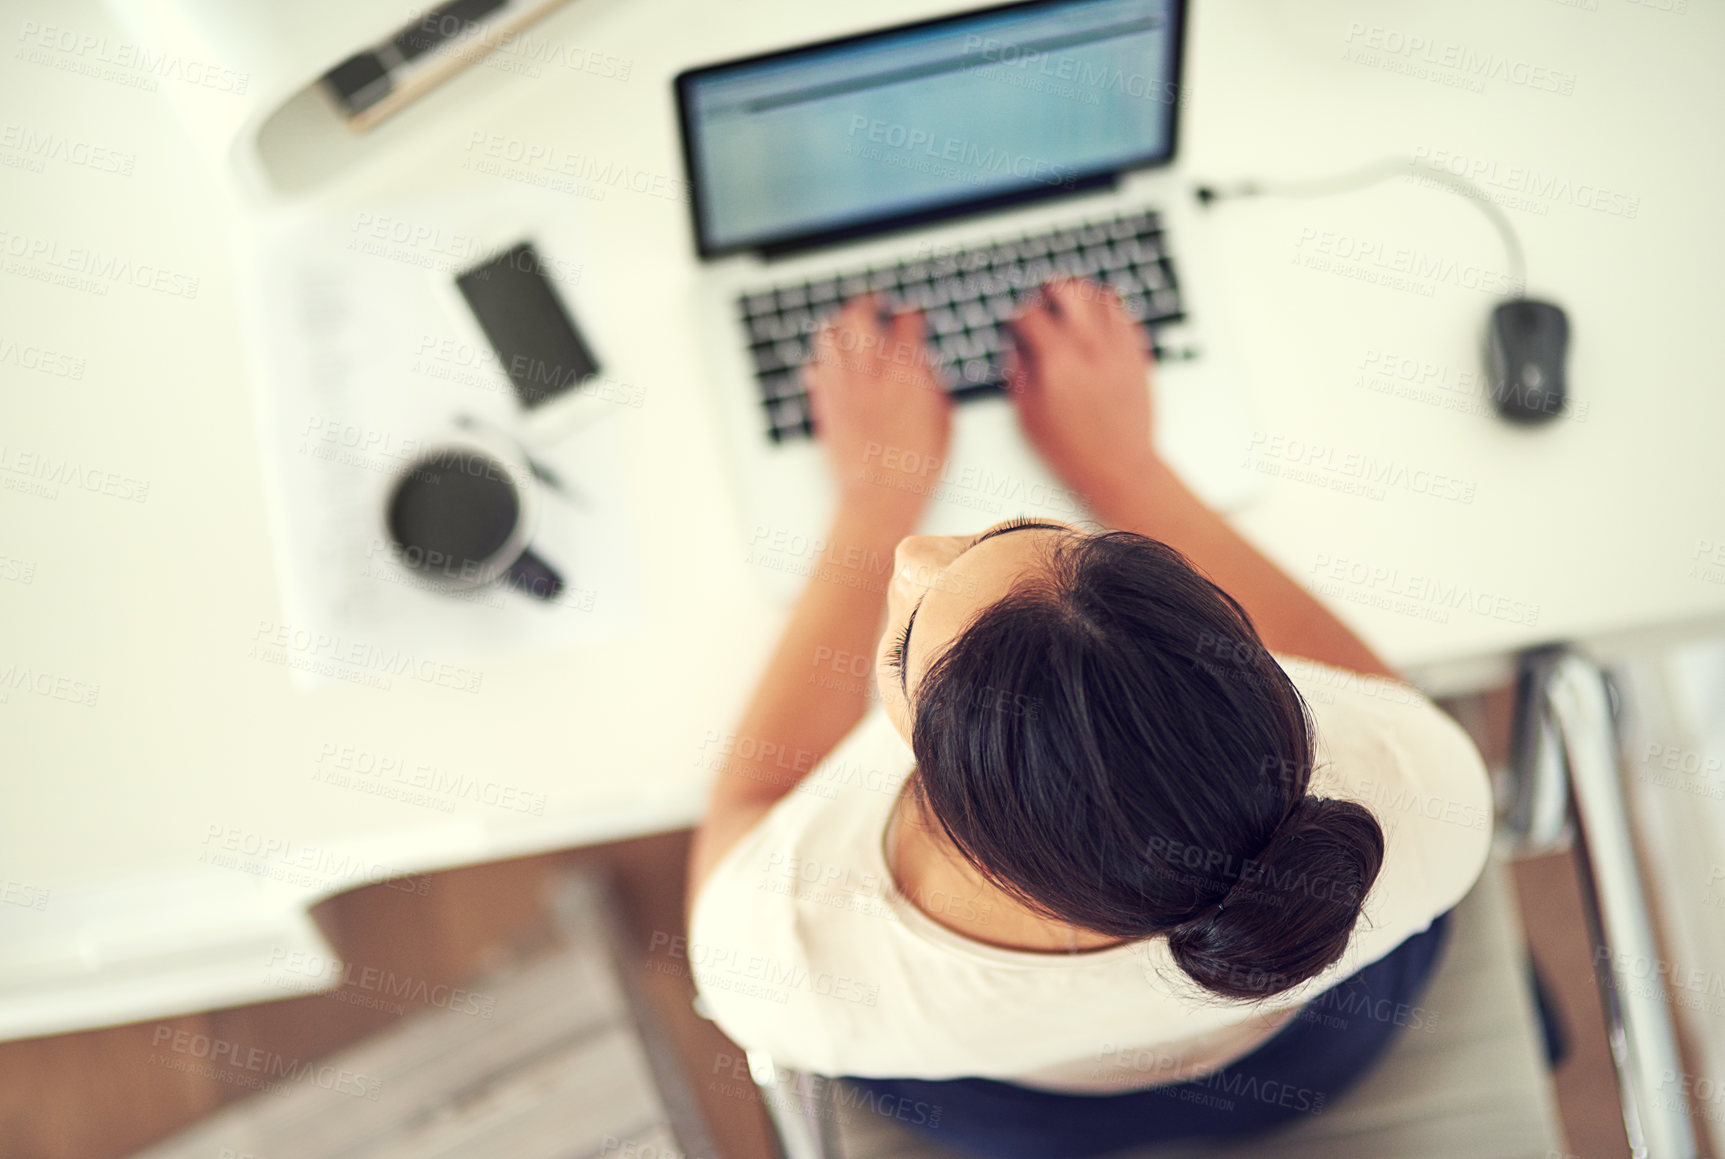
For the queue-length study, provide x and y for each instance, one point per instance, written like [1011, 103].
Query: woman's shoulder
[1354, 709]
[834, 813]
[1388, 746]
[1324, 683]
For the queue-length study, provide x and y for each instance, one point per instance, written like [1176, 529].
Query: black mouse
[1525, 353]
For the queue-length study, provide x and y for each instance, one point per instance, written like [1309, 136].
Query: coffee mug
[461, 515]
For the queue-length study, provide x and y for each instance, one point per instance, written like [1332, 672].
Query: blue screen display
[925, 119]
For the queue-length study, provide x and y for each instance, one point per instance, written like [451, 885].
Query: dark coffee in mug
[452, 512]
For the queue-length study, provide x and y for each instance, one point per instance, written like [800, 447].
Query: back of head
[1112, 745]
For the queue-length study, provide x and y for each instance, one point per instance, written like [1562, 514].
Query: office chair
[1471, 1082]
[1476, 1084]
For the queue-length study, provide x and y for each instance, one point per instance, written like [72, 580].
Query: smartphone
[535, 339]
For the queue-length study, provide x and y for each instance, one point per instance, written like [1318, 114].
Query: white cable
[1383, 170]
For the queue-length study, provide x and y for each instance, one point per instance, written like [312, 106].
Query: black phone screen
[534, 337]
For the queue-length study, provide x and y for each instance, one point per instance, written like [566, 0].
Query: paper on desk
[362, 354]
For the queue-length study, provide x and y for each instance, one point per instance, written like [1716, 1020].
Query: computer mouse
[1525, 352]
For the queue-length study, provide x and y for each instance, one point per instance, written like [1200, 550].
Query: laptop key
[767, 360]
[964, 289]
[992, 340]
[1001, 281]
[976, 371]
[950, 348]
[781, 412]
[1069, 264]
[939, 293]
[941, 321]
[780, 384]
[1037, 271]
[1143, 223]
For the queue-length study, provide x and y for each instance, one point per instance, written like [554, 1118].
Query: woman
[1140, 843]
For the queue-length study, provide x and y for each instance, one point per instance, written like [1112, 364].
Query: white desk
[120, 814]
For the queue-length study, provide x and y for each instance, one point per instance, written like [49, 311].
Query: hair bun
[1291, 912]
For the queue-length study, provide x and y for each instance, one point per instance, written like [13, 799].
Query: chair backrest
[1471, 1082]
[801, 1107]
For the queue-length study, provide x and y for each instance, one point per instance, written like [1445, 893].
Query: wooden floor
[99, 1095]
[1551, 913]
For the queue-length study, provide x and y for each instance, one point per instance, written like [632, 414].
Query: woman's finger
[1034, 332]
[908, 336]
[824, 352]
[863, 334]
[907, 327]
[1079, 304]
[1012, 368]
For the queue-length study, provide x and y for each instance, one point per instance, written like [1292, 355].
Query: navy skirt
[1296, 1072]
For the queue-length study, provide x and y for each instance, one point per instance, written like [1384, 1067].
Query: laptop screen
[916, 122]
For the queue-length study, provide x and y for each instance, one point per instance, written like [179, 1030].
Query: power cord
[1373, 174]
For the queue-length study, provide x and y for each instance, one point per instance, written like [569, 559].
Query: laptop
[953, 165]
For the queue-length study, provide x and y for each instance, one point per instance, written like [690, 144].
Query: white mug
[462, 513]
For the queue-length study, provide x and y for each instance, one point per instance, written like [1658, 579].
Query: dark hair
[1113, 746]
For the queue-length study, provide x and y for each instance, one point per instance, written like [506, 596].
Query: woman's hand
[880, 409]
[1079, 375]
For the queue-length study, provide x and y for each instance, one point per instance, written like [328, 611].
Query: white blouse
[802, 945]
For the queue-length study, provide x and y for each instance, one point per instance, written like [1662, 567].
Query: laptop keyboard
[966, 297]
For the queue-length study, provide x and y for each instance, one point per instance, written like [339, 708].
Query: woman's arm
[1289, 619]
[1078, 382]
[884, 418]
[805, 702]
